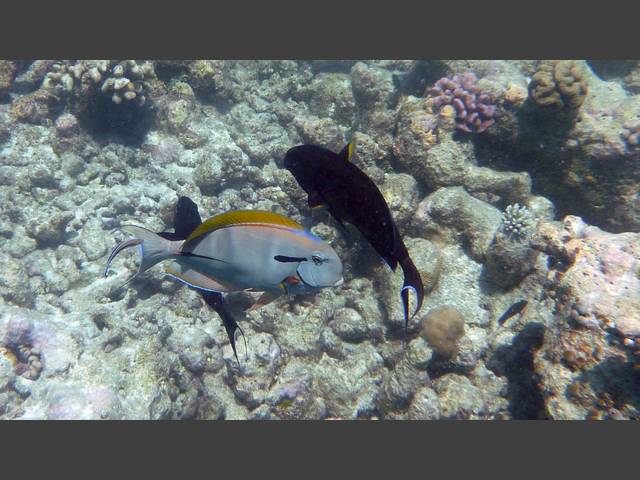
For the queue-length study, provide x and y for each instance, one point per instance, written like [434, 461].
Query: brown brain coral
[442, 328]
[558, 85]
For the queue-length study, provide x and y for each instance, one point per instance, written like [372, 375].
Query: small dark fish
[513, 310]
[331, 180]
[186, 219]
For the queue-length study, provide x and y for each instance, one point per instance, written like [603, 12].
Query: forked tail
[412, 283]
[153, 248]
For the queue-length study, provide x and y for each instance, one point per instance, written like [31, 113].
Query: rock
[458, 397]
[399, 385]
[349, 388]
[210, 78]
[251, 387]
[419, 353]
[467, 217]
[509, 261]
[601, 286]
[331, 96]
[425, 405]
[349, 325]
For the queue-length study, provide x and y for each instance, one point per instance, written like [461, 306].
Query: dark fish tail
[412, 282]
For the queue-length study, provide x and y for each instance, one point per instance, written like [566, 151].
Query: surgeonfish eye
[323, 269]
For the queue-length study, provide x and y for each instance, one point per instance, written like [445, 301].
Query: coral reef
[517, 222]
[209, 78]
[558, 85]
[442, 328]
[7, 75]
[509, 261]
[122, 81]
[473, 111]
[631, 134]
[525, 315]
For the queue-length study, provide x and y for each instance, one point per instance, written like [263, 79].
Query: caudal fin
[153, 248]
[412, 283]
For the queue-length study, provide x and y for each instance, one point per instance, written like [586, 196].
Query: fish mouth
[339, 282]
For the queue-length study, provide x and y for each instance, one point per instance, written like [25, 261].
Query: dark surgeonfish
[186, 219]
[350, 196]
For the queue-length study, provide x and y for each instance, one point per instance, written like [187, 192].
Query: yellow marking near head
[243, 217]
[350, 150]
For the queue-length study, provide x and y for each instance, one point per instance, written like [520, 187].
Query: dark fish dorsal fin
[186, 217]
[345, 153]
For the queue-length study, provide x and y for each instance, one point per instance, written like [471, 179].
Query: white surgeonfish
[242, 250]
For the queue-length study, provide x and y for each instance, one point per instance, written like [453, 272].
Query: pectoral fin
[265, 299]
[315, 200]
[198, 280]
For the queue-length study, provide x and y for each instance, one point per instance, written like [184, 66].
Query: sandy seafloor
[83, 151]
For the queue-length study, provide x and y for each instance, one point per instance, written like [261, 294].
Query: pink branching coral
[474, 110]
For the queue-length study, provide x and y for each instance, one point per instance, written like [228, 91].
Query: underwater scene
[320, 239]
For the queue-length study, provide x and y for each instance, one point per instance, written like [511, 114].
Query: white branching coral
[517, 222]
[123, 81]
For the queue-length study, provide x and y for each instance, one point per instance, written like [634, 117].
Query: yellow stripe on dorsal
[243, 217]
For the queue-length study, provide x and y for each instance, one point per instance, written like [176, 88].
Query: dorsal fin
[185, 217]
[345, 153]
[243, 217]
